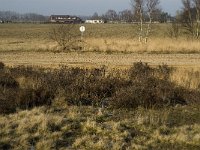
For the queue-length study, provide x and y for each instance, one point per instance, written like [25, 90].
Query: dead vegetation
[66, 36]
[115, 38]
[82, 128]
[142, 107]
[142, 86]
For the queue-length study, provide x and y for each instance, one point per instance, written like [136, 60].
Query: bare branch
[65, 36]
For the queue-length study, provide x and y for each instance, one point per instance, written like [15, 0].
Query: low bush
[8, 81]
[29, 98]
[150, 88]
[2, 66]
[144, 86]
[7, 100]
[65, 36]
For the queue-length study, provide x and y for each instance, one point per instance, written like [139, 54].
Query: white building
[94, 21]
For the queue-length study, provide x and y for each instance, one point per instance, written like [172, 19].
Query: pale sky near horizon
[77, 7]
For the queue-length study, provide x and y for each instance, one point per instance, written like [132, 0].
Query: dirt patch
[87, 59]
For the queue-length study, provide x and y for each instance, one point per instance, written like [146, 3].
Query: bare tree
[95, 16]
[138, 8]
[126, 16]
[188, 22]
[111, 15]
[141, 9]
[197, 7]
[65, 36]
[191, 16]
[152, 6]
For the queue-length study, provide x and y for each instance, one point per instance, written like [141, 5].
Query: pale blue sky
[76, 7]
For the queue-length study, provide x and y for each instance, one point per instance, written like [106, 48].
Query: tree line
[10, 16]
[141, 12]
[146, 12]
[128, 16]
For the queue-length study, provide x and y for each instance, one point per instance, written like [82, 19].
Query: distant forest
[108, 16]
[10, 16]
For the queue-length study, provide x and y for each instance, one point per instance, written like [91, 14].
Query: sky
[77, 7]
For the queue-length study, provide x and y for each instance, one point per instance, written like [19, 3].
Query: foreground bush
[149, 88]
[2, 65]
[27, 87]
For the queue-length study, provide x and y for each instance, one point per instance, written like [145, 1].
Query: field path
[48, 59]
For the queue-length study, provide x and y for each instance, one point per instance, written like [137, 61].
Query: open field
[89, 59]
[113, 45]
[100, 38]
[44, 93]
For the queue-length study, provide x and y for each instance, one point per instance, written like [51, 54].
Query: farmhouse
[65, 19]
[94, 21]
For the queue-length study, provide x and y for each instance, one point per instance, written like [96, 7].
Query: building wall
[64, 19]
[94, 21]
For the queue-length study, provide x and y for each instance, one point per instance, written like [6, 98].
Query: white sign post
[82, 29]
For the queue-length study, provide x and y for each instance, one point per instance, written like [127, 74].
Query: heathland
[99, 38]
[113, 93]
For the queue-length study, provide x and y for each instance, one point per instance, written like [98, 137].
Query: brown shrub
[2, 65]
[145, 86]
[150, 88]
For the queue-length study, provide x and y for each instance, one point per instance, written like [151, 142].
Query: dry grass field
[83, 128]
[113, 47]
[108, 38]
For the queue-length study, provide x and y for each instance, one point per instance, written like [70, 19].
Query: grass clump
[45, 128]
